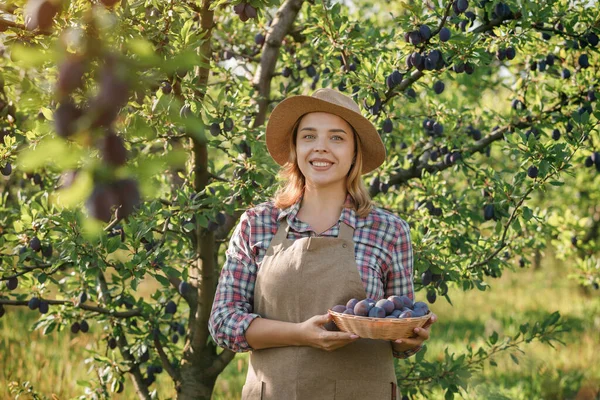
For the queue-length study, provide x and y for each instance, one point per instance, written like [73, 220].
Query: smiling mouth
[320, 164]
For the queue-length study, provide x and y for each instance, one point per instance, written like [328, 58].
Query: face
[324, 149]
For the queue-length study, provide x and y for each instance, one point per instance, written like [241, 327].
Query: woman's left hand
[422, 335]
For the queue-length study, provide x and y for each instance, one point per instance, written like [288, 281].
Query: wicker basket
[379, 328]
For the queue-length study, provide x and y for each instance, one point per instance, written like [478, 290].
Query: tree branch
[281, 26]
[136, 375]
[165, 362]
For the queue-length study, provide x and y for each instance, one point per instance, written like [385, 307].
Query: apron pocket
[364, 390]
[253, 390]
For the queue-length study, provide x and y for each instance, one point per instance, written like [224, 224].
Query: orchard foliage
[132, 141]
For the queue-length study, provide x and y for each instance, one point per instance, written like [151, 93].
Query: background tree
[133, 140]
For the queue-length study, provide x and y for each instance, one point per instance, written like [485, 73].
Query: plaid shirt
[383, 254]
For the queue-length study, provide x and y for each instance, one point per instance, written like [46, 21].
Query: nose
[321, 145]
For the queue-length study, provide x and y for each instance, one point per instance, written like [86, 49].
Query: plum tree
[155, 122]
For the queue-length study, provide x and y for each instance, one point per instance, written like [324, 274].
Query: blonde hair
[294, 182]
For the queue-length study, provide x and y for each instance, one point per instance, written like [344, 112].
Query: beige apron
[297, 280]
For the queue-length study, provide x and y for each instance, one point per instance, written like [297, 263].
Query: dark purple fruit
[128, 196]
[589, 161]
[362, 308]
[406, 314]
[6, 170]
[250, 11]
[84, 326]
[488, 212]
[339, 308]
[215, 129]
[351, 303]
[532, 172]
[414, 38]
[387, 125]
[35, 244]
[40, 14]
[166, 87]
[70, 75]
[109, 3]
[112, 343]
[349, 311]
[377, 312]
[83, 297]
[171, 307]
[438, 87]
[44, 307]
[101, 201]
[12, 283]
[583, 61]
[566, 74]
[34, 303]
[387, 305]
[75, 327]
[259, 39]
[444, 34]
[183, 287]
[462, 5]
[592, 39]
[431, 296]
[113, 149]
[426, 277]
[425, 32]
[65, 118]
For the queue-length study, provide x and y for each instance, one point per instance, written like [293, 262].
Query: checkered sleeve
[234, 298]
[400, 275]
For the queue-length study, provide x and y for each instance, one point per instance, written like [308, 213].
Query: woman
[319, 243]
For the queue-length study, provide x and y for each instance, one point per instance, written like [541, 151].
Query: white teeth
[320, 164]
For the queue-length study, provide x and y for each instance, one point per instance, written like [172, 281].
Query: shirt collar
[348, 214]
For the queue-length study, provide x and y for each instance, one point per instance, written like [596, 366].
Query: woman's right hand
[313, 333]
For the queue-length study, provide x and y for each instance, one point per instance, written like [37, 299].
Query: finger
[341, 336]
[411, 342]
[422, 333]
[323, 319]
[432, 320]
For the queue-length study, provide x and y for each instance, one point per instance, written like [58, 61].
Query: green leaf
[163, 280]
[31, 57]
[494, 338]
[113, 244]
[556, 183]
[449, 394]
[49, 328]
[493, 363]
[551, 319]
[515, 359]
[527, 213]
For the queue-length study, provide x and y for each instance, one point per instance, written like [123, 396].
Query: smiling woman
[320, 242]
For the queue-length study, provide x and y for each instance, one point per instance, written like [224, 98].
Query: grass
[55, 362]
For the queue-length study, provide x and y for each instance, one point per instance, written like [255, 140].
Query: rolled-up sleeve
[232, 310]
[400, 275]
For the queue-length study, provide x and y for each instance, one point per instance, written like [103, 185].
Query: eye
[308, 136]
[338, 137]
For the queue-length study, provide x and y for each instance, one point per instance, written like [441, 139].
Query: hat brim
[286, 113]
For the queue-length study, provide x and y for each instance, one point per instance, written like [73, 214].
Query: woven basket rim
[374, 319]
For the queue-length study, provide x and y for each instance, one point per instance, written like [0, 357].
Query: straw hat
[286, 113]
